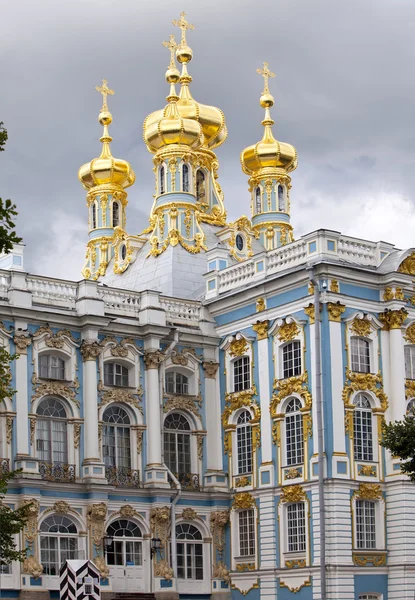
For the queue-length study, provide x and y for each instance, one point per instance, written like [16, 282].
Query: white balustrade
[52, 292]
[181, 312]
[119, 301]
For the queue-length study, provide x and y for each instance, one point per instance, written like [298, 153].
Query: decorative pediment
[55, 340]
[361, 382]
[287, 387]
[407, 266]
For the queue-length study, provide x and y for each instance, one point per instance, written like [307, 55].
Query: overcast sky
[344, 91]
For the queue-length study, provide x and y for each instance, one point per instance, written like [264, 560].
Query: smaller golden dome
[268, 153]
[106, 170]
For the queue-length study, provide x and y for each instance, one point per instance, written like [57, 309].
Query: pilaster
[214, 476]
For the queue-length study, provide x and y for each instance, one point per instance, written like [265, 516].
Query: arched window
[115, 214]
[258, 203]
[409, 362]
[294, 439]
[281, 201]
[244, 443]
[291, 359]
[189, 552]
[126, 548]
[115, 374]
[200, 186]
[241, 374]
[176, 383]
[360, 353]
[58, 543]
[161, 179]
[410, 408]
[177, 452]
[94, 216]
[51, 367]
[116, 446]
[52, 435]
[365, 525]
[185, 178]
[362, 429]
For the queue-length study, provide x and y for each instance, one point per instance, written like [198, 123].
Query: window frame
[245, 375]
[185, 165]
[281, 187]
[298, 527]
[244, 445]
[358, 354]
[45, 423]
[365, 450]
[192, 544]
[409, 349]
[297, 448]
[124, 373]
[362, 525]
[115, 460]
[49, 356]
[258, 200]
[115, 205]
[181, 439]
[249, 534]
[57, 536]
[295, 356]
[162, 180]
[175, 384]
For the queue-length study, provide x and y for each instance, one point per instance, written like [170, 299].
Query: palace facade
[167, 405]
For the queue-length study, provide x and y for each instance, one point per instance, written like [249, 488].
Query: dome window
[240, 242]
[200, 186]
[185, 178]
[281, 201]
[258, 203]
[115, 214]
[94, 216]
[161, 180]
[123, 252]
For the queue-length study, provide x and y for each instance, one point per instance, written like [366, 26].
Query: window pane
[241, 374]
[294, 437]
[244, 448]
[365, 524]
[44, 366]
[360, 354]
[246, 533]
[410, 362]
[108, 373]
[43, 441]
[363, 434]
[291, 359]
[296, 527]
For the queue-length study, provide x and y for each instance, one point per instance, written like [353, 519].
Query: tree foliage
[399, 439]
[8, 211]
[11, 523]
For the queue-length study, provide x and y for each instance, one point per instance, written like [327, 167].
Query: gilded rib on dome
[268, 153]
[211, 119]
[106, 169]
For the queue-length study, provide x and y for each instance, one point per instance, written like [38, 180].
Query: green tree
[11, 523]
[8, 211]
[399, 439]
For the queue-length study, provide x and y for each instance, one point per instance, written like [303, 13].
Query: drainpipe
[176, 498]
[320, 433]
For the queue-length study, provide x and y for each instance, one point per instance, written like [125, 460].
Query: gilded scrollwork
[76, 434]
[293, 493]
[90, 350]
[153, 358]
[368, 491]
[335, 310]
[362, 560]
[243, 500]
[361, 326]
[60, 388]
[30, 528]
[22, 341]
[54, 340]
[410, 333]
[311, 313]
[288, 331]
[121, 395]
[361, 382]
[96, 515]
[189, 403]
[103, 568]
[218, 521]
[32, 565]
[210, 368]
[236, 400]
[393, 319]
[287, 387]
[261, 329]
[408, 265]
[160, 523]
[238, 346]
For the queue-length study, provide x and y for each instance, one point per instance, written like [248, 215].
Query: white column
[337, 370]
[264, 393]
[397, 374]
[155, 473]
[22, 341]
[92, 465]
[214, 476]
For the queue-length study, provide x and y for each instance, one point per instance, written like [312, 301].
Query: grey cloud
[344, 97]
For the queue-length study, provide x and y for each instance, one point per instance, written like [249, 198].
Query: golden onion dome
[211, 119]
[167, 126]
[268, 153]
[106, 169]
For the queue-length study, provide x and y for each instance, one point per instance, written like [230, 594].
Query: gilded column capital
[22, 341]
[210, 368]
[153, 358]
[261, 329]
[393, 319]
[335, 311]
[311, 313]
[90, 350]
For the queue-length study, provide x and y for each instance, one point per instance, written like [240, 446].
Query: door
[125, 560]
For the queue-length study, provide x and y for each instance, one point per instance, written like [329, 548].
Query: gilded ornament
[243, 399]
[162, 569]
[311, 313]
[307, 425]
[210, 368]
[220, 571]
[227, 443]
[260, 304]
[30, 527]
[118, 350]
[101, 565]
[293, 493]
[292, 473]
[243, 500]
[288, 331]
[199, 439]
[189, 514]
[261, 329]
[335, 311]
[76, 435]
[139, 437]
[399, 295]
[368, 491]
[32, 422]
[361, 326]
[334, 286]
[242, 482]
[127, 511]
[410, 333]
[181, 402]
[218, 521]
[54, 340]
[22, 341]
[90, 350]
[393, 319]
[243, 567]
[120, 395]
[310, 288]
[238, 347]
[160, 524]
[360, 382]
[32, 565]
[61, 507]
[295, 590]
[349, 424]
[67, 391]
[9, 429]
[153, 358]
[362, 560]
[298, 563]
[388, 294]
[96, 516]
[409, 388]
[287, 387]
[276, 433]
[367, 470]
[408, 265]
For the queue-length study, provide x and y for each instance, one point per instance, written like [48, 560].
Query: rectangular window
[410, 362]
[51, 367]
[360, 353]
[244, 443]
[241, 374]
[296, 527]
[291, 359]
[363, 434]
[294, 438]
[365, 525]
[247, 533]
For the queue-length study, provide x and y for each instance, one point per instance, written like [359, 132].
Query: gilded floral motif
[189, 514]
[408, 265]
[60, 388]
[189, 403]
[241, 399]
[90, 350]
[393, 319]
[54, 340]
[121, 395]
[261, 329]
[367, 470]
[243, 500]
[361, 326]
[293, 493]
[335, 310]
[410, 333]
[238, 347]
[287, 387]
[242, 482]
[360, 382]
[292, 473]
[368, 491]
[288, 331]
[153, 358]
[210, 367]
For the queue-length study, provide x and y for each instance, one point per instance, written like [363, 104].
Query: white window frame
[245, 361]
[175, 374]
[359, 355]
[285, 554]
[296, 354]
[50, 357]
[249, 515]
[298, 528]
[409, 352]
[118, 437]
[365, 444]
[243, 434]
[289, 415]
[380, 524]
[365, 524]
[120, 366]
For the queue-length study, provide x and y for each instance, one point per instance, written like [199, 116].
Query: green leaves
[11, 523]
[8, 211]
[3, 136]
[399, 439]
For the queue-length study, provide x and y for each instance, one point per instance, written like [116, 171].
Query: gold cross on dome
[104, 90]
[266, 74]
[184, 25]
[172, 46]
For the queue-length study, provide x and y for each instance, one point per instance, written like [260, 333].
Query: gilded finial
[172, 73]
[104, 90]
[172, 46]
[266, 74]
[184, 26]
